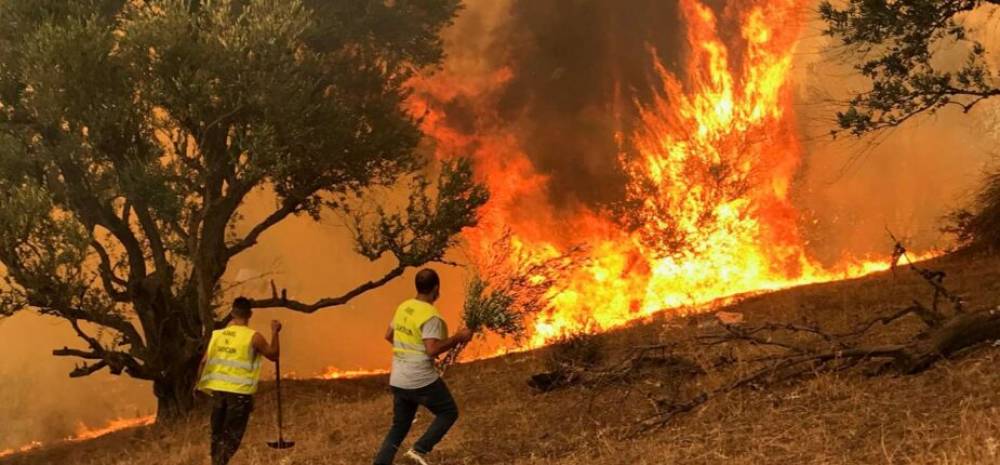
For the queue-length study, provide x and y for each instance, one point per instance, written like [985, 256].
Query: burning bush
[508, 287]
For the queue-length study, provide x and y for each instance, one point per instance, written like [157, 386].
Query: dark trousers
[230, 415]
[435, 398]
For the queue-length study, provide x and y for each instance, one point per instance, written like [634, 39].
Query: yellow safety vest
[407, 337]
[231, 364]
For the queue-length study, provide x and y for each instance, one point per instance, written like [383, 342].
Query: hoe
[281, 443]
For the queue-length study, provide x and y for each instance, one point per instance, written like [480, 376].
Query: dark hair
[242, 308]
[427, 280]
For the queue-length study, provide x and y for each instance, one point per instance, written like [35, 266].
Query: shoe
[417, 457]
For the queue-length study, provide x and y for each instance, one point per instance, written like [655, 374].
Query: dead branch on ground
[793, 351]
[632, 365]
[788, 352]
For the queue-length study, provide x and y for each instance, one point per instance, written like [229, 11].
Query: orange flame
[337, 373]
[83, 433]
[23, 449]
[715, 157]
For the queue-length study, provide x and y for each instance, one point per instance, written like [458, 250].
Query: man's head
[242, 308]
[428, 284]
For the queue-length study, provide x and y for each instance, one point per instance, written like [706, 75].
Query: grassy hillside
[947, 415]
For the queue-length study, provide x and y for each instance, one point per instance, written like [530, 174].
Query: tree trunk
[175, 392]
[177, 359]
[958, 333]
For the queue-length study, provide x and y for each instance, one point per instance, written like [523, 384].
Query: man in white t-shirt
[419, 335]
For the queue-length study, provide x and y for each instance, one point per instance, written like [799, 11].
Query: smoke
[577, 67]
[38, 401]
[563, 78]
[853, 192]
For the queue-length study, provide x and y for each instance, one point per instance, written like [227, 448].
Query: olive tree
[132, 132]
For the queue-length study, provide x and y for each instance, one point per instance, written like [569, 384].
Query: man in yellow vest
[418, 335]
[230, 372]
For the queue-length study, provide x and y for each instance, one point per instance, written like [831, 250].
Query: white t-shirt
[415, 374]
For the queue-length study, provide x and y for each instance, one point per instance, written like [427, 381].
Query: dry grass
[947, 415]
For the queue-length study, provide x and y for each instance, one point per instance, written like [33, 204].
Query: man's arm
[202, 363]
[273, 350]
[201, 371]
[437, 347]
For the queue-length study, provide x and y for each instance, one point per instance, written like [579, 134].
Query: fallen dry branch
[793, 351]
[638, 359]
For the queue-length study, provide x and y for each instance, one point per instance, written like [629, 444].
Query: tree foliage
[899, 44]
[131, 133]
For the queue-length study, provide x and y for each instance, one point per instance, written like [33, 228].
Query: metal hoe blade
[281, 444]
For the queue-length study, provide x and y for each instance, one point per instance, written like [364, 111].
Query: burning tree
[133, 131]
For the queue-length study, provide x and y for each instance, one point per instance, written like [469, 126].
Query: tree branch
[92, 342]
[108, 277]
[67, 352]
[115, 361]
[661, 418]
[152, 234]
[288, 207]
[87, 370]
[135, 201]
[108, 320]
[93, 212]
[283, 301]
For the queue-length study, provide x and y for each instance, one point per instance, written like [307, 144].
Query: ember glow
[709, 214]
[337, 373]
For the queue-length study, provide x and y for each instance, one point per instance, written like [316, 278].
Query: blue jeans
[435, 397]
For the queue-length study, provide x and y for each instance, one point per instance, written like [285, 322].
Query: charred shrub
[578, 351]
[567, 360]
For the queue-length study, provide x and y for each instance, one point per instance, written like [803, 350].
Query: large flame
[709, 182]
[708, 191]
